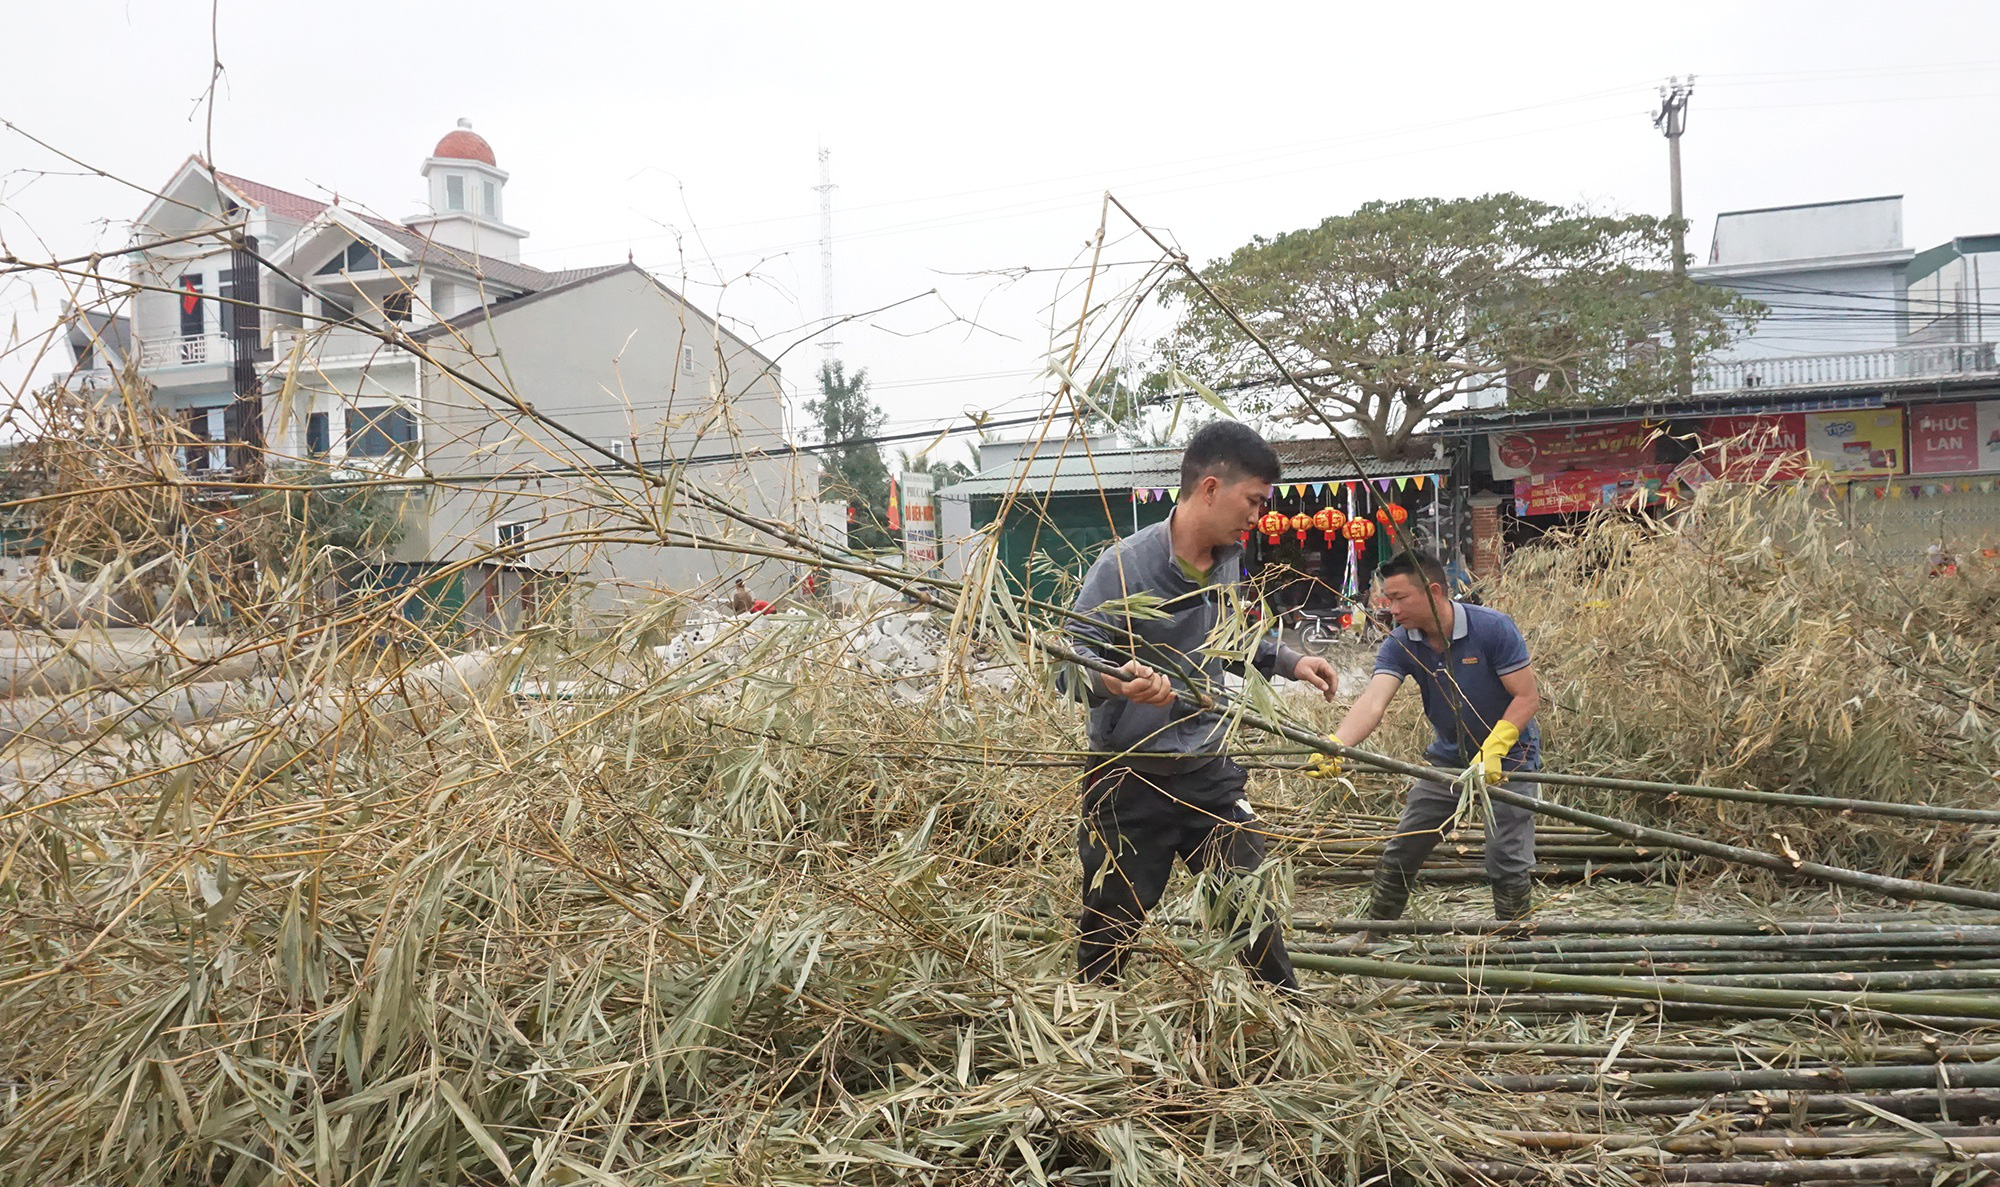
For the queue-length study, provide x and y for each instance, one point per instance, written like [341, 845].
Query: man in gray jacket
[1162, 787]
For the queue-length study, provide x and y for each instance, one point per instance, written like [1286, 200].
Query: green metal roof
[1314, 460]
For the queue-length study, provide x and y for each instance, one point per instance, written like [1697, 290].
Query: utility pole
[1671, 120]
[829, 345]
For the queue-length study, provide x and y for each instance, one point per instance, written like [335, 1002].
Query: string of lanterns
[1331, 522]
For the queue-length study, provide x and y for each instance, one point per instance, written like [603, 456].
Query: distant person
[1472, 667]
[740, 600]
[1167, 790]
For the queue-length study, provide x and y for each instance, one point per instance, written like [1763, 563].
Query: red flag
[190, 294]
[895, 508]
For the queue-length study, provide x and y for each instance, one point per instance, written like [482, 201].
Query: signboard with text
[1748, 448]
[1586, 447]
[1864, 443]
[1588, 490]
[920, 539]
[1955, 438]
[1860, 443]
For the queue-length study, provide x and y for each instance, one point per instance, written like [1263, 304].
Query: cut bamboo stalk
[1823, 1079]
[1781, 1000]
[1940, 937]
[1983, 1141]
[1899, 921]
[1962, 1104]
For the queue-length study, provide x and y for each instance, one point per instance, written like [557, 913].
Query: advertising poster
[1588, 490]
[1755, 447]
[1594, 447]
[920, 539]
[1864, 443]
[1955, 438]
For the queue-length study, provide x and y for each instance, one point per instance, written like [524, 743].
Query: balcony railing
[332, 342]
[1859, 368]
[182, 351]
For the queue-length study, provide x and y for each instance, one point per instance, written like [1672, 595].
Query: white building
[262, 355]
[1849, 304]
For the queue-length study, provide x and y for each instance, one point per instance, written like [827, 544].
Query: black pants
[1134, 826]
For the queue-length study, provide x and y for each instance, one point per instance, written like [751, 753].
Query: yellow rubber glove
[1495, 749]
[1325, 766]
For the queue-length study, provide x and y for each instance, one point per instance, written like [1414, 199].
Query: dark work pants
[1510, 831]
[1134, 826]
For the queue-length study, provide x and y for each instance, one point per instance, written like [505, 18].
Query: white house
[260, 353]
[1849, 304]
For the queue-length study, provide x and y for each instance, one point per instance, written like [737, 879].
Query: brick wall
[1488, 546]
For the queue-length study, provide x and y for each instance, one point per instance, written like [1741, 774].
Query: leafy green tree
[1402, 308]
[943, 473]
[852, 473]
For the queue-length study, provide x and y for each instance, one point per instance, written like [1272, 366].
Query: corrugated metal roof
[1314, 460]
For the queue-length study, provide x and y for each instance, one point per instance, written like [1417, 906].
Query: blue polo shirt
[1464, 703]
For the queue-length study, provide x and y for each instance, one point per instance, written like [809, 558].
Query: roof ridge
[239, 181]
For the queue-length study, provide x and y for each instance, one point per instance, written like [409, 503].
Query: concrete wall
[1817, 231]
[1817, 310]
[626, 364]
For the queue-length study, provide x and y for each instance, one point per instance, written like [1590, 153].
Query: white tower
[466, 192]
[830, 345]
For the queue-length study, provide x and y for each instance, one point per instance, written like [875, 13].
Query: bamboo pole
[1825, 1079]
[1763, 1053]
[1982, 1140]
[1431, 1000]
[1968, 1104]
[1899, 921]
[1776, 1000]
[1789, 942]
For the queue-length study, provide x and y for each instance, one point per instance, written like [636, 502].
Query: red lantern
[1358, 529]
[1272, 524]
[1328, 520]
[1392, 515]
[1300, 523]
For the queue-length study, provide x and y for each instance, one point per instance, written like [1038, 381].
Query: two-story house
[258, 347]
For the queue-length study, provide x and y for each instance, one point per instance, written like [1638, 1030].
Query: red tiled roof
[282, 203]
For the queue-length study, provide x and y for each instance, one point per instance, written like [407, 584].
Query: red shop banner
[1545, 451]
[1588, 490]
[1955, 438]
[1755, 447]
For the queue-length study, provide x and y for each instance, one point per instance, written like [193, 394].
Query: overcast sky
[971, 139]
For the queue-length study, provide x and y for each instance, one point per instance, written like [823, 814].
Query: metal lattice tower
[830, 345]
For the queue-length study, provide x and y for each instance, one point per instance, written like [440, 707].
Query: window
[335, 308]
[687, 359]
[617, 447]
[358, 257]
[191, 311]
[381, 431]
[454, 192]
[396, 306]
[206, 426]
[510, 535]
[319, 435]
[490, 197]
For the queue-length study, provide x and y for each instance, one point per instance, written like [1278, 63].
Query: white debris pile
[898, 644]
[902, 645]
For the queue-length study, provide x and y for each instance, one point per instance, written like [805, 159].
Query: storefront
[1907, 473]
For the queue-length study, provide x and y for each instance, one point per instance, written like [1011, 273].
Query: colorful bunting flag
[1173, 492]
[1419, 480]
[1402, 483]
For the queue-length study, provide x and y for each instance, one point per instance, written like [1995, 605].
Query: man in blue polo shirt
[1479, 691]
